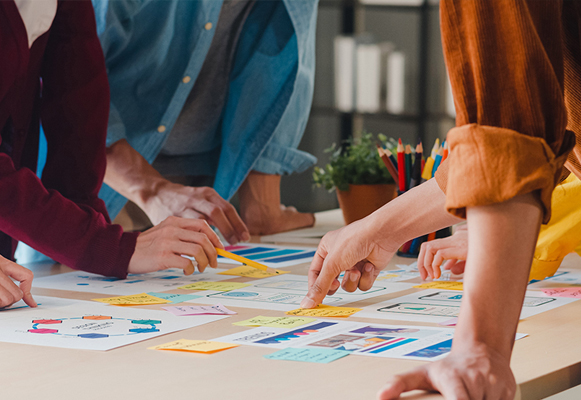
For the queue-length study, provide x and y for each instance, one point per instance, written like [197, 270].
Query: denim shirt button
[161, 128]
[208, 26]
[186, 79]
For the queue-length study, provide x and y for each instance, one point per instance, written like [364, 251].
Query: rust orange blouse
[515, 69]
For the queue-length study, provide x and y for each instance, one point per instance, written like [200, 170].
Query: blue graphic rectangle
[253, 250]
[278, 253]
[392, 346]
[297, 333]
[290, 258]
[433, 351]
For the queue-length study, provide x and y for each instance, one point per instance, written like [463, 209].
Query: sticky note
[250, 272]
[449, 285]
[218, 286]
[175, 298]
[324, 311]
[571, 292]
[133, 300]
[275, 322]
[195, 346]
[217, 309]
[320, 356]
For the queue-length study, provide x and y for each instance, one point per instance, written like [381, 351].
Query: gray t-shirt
[194, 133]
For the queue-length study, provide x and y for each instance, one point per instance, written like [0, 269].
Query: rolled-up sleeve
[505, 61]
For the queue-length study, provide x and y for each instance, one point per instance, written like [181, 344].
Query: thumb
[414, 380]
[24, 276]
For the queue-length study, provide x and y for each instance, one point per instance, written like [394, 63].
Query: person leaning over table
[53, 70]
[515, 69]
[208, 91]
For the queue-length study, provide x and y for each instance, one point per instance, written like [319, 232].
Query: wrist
[148, 191]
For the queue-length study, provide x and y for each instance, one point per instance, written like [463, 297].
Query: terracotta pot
[361, 200]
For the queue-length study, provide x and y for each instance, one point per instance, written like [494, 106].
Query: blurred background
[379, 68]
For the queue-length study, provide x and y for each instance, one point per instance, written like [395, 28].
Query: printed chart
[270, 255]
[407, 342]
[435, 306]
[89, 326]
[285, 293]
[160, 281]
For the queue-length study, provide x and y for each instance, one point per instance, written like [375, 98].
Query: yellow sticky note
[324, 311]
[218, 286]
[133, 300]
[195, 346]
[388, 276]
[275, 322]
[449, 285]
[250, 272]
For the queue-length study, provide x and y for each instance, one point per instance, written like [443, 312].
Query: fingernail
[245, 237]
[233, 240]
[353, 277]
[368, 268]
[307, 303]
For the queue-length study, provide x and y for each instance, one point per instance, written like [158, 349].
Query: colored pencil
[427, 173]
[431, 236]
[417, 167]
[445, 153]
[437, 162]
[408, 165]
[401, 166]
[246, 261]
[390, 167]
[435, 149]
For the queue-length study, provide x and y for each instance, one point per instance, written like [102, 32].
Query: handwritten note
[218, 286]
[449, 285]
[324, 311]
[320, 356]
[275, 322]
[250, 272]
[133, 300]
[194, 346]
[175, 298]
[571, 292]
[217, 309]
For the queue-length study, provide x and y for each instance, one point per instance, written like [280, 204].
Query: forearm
[130, 174]
[500, 251]
[418, 212]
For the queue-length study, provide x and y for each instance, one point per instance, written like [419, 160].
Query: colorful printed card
[194, 346]
[324, 311]
[217, 286]
[320, 356]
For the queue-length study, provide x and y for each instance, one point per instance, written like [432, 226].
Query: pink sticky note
[449, 322]
[571, 292]
[217, 309]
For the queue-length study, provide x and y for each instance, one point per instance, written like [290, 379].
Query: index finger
[201, 226]
[24, 276]
[234, 219]
[326, 273]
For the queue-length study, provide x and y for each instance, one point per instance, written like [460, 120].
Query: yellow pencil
[246, 261]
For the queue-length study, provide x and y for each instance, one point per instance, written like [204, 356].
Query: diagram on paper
[159, 281]
[91, 326]
[436, 306]
[407, 342]
[285, 293]
[270, 255]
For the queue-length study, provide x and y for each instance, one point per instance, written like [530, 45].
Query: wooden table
[546, 362]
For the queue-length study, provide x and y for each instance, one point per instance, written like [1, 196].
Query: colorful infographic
[270, 255]
[89, 325]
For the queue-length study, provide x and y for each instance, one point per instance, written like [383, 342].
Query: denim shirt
[154, 51]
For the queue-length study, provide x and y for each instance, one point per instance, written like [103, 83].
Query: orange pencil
[388, 164]
[445, 152]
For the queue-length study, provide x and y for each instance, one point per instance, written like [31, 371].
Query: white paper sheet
[160, 281]
[388, 341]
[436, 305]
[285, 293]
[76, 324]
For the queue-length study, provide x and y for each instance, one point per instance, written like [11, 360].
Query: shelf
[407, 117]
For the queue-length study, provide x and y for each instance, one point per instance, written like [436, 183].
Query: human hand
[9, 292]
[476, 372]
[202, 203]
[162, 247]
[453, 250]
[354, 249]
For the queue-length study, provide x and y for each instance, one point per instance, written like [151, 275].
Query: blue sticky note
[175, 298]
[320, 356]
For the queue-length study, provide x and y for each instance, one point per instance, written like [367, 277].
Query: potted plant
[362, 181]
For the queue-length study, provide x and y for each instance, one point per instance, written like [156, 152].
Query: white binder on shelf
[396, 84]
[344, 47]
[368, 82]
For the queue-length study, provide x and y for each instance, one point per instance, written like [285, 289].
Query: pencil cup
[411, 249]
